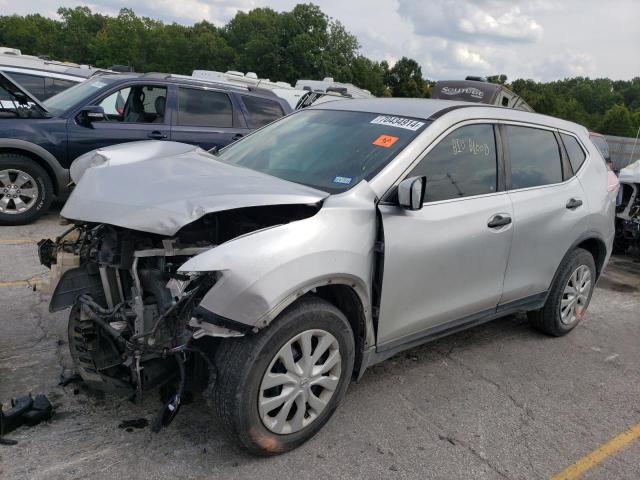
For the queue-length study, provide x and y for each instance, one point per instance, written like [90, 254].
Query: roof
[424, 108]
[187, 80]
[407, 107]
[35, 63]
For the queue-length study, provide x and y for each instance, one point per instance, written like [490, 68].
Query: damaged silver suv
[270, 274]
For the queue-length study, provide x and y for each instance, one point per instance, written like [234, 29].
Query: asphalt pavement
[499, 401]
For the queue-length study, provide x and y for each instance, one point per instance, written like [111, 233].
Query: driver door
[133, 112]
[445, 263]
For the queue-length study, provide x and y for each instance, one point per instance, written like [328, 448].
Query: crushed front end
[132, 325]
[627, 239]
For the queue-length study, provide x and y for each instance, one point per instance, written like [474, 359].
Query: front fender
[263, 272]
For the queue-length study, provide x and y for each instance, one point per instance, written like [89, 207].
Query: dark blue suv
[39, 140]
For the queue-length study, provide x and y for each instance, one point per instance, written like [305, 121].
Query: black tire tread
[546, 320]
[234, 360]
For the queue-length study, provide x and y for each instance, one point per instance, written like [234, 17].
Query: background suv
[40, 139]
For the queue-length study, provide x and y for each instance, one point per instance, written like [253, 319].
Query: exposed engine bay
[627, 238]
[134, 323]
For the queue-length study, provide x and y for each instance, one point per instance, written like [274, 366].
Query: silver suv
[271, 273]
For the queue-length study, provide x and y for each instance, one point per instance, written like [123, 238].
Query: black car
[40, 140]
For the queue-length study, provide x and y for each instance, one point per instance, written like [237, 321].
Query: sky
[539, 39]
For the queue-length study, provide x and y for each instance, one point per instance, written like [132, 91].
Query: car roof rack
[204, 82]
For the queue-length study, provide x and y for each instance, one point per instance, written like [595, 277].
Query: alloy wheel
[575, 295]
[18, 191]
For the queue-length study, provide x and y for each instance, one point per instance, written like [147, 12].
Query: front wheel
[277, 388]
[569, 296]
[26, 191]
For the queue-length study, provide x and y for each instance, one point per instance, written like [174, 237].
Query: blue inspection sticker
[343, 180]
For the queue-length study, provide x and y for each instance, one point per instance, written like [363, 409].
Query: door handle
[156, 135]
[499, 221]
[574, 203]
[237, 136]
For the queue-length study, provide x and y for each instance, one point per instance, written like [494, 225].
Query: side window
[33, 83]
[464, 163]
[56, 85]
[136, 104]
[535, 157]
[261, 111]
[204, 108]
[574, 150]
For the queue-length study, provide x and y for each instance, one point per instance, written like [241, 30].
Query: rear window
[326, 149]
[574, 150]
[535, 157]
[261, 111]
[204, 108]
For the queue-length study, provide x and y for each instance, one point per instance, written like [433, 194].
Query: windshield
[326, 149]
[68, 98]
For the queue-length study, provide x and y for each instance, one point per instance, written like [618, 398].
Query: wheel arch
[58, 175]
[598, 250]
[346, 299]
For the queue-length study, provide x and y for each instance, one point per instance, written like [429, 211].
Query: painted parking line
[21, 283]
[18, 241]
[603, 452]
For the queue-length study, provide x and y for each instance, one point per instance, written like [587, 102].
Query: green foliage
[405, 79]
[303, 43]
[599, 104]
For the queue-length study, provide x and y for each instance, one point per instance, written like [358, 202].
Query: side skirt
[383, 352]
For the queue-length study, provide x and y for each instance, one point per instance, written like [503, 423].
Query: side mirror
[90, 114]
[411, 192]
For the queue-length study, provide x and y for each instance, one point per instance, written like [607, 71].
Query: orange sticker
[385, 141]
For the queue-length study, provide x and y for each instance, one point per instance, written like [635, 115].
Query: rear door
[133, 112]
[549, 208]
[207, 118]
[446, 262]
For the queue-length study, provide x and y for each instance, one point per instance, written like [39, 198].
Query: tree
[617, 121]
[405, 79]
[291, 45]
[78, 28]
[369, 75]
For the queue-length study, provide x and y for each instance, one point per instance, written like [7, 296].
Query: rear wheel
[26, 191]
[276, 389]
[569, 296]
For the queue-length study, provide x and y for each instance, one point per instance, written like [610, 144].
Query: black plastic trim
[387, 350]
[208, 316]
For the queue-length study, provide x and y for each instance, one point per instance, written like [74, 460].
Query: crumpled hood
[159, 187]
[631, 173]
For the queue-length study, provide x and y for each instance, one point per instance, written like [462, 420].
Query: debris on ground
[129, 425]
[24, 410]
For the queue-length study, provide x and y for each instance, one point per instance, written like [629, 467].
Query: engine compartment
[627, 239]
[134, 323]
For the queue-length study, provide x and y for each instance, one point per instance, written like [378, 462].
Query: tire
[240, 399]
[550, 319]
[15, 169]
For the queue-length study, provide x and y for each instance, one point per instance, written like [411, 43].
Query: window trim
[99, 100]
[234, 120]
[501, 170]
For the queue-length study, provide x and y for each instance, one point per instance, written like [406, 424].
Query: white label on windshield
[399, 122]
[98, 84]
